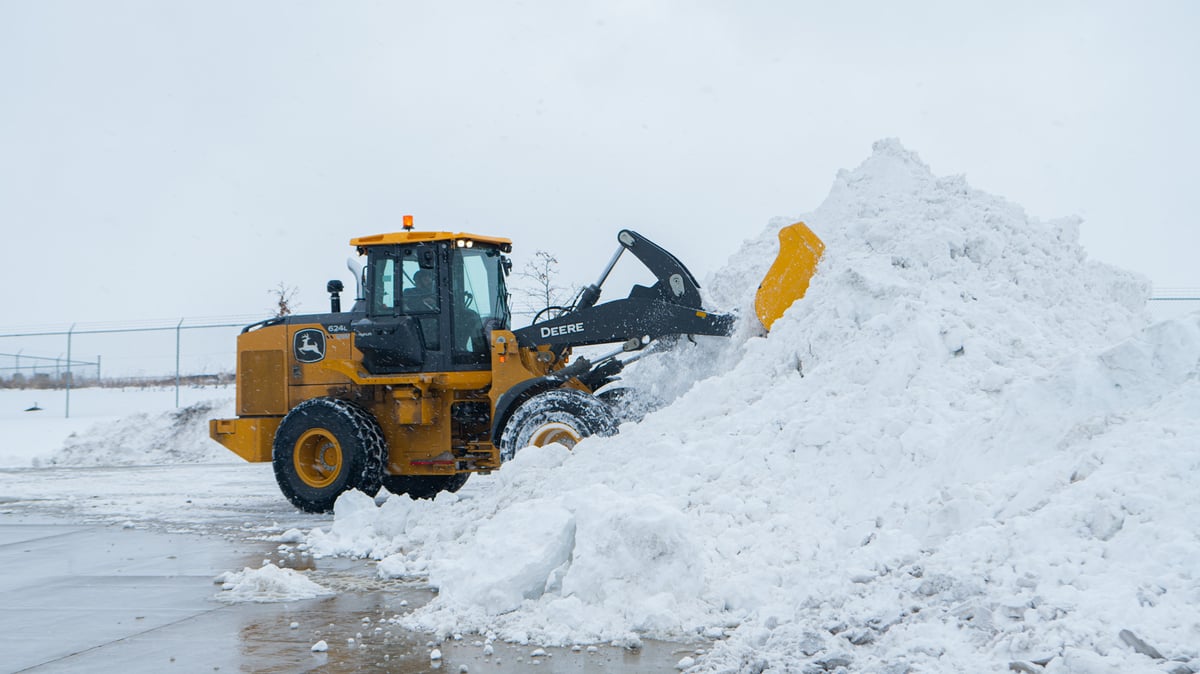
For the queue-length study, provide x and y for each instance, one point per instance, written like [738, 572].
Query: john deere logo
[309, 346]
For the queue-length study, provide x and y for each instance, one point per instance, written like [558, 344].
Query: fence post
[68, 404]
[178, 328]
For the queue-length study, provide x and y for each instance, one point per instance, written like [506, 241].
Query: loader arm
[672, 306]
[633, 318]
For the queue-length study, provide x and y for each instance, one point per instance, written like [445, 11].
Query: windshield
[479, 282]
[480, 301]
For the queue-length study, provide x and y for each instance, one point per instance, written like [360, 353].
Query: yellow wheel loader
[423, 381]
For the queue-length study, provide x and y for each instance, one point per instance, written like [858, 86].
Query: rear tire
[324, 447]
[564, 415]
[424, 486]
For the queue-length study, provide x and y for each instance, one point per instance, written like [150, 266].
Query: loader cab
[431, 300]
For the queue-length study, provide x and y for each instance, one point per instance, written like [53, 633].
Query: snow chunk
[290, 536]
[511, 558]
[267, 584]
[635, 555]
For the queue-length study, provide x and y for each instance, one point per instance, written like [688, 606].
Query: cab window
[383, 284]
[480, 302]
[402, 283]
[418, 288]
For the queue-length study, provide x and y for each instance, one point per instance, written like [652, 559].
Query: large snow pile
[148, 438]
[111, 426]
[964, 449]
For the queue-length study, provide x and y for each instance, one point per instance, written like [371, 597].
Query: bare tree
[285, 299]
[538, 288]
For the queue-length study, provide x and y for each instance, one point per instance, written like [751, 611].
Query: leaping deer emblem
[307, 346]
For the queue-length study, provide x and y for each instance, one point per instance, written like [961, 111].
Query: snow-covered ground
[968, 449]
[111, 427]
[129, 456]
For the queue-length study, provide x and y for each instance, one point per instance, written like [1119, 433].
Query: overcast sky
[166, 159]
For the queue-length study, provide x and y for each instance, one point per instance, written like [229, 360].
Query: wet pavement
[104, 597]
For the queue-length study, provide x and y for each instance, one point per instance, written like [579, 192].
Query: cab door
[405, 329]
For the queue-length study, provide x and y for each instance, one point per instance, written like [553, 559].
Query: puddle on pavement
[360, 638]
[357, 627]
[190, 630]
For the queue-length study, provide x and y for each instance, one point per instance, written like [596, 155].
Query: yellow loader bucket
[787, 279]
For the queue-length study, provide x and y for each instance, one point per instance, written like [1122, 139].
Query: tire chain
[370, 438]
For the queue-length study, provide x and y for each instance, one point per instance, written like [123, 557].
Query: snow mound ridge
[926, 464]
[917, 268]
[178, 436]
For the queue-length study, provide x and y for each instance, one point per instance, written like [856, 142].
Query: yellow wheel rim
[317, 458]
[555, 432]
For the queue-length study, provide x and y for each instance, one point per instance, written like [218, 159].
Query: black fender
[511, 399]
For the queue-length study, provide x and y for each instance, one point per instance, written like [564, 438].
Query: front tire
[564, 415]
[326, 446]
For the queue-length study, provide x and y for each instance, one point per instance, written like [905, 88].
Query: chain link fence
[31, 371]
[179, 352]
[1168, 303]
[203, 351]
